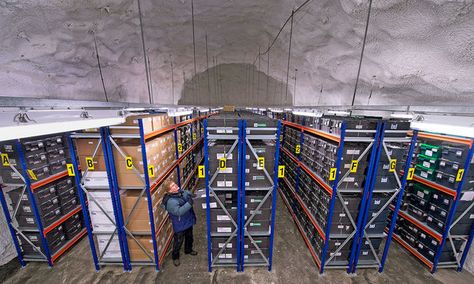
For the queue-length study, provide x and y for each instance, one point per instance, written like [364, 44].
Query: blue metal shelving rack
[336, 194]
[455, 194]
[17, 232]
[394, 193]
[86, 192]
[241, 141]
[148, 188]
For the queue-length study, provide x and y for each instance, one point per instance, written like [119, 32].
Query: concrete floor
[292, 262]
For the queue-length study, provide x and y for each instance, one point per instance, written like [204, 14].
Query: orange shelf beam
[313, 131]
[48, 180]
[61, 220]
[447, 138]
[315, 224]
[162, 257]
[155, 185]
[434, 185]
[308, 171]
[417, 223]
[172, 127]
[308, 244]
[413, 251]
[68, 245]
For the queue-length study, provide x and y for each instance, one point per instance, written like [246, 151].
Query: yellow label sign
[70, 170]
[222, 163]
[90, 163]
[411, 173]
[5, 160]
[298, 149]
[281, 137]
[128, 163]
[460, 175]
[281, 171]
[194, 136]
[151, 171]
[332, 173]
[393, 165]
[180, 148]
[201, 172]
[354, 165]
[261, 163]
[32, 175]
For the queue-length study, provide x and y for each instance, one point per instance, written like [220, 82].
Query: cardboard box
[229, 108]
[132, 121]
[86, 147]
[140, 220]
[113, 251]
[145, 241]
[161, 121]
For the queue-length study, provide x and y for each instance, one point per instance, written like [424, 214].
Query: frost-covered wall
[418, 51]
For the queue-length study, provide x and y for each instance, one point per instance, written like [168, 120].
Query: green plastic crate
[428, 162]
[430, 150]
[424, 172]
[422, 191]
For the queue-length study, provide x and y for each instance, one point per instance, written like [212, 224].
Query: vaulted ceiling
[417, 51]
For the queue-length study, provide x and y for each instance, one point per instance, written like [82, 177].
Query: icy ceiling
[418, 52]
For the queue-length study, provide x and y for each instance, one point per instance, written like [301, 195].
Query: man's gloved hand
[190, 201]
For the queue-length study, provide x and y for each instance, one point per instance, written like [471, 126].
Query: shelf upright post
[466, 250]
[298, 170]
[399, 200]
[32, 198]
[333, 197]
[148, 194]
[208, 206]
[176, 150]
[366, 198]
[241, 163]
[80, 192]
[194, 123]
[453, 210]
[8, 218]
[274, 194]
[115, 194]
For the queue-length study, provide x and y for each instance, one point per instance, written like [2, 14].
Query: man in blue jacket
[179, 205]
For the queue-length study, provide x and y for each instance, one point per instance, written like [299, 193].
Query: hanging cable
[281, 29]
[294, 90]
[208, 75]
[268, 76]
[289, 56]
[258, 77]
[100, 68]
[145, 57]
[194, 49]
[172, 79]
[362, 52]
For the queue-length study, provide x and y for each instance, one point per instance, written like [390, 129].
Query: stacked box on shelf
[436, 216]
[159, 149]
[259, 151]
[387, 183]
[222, 161]
[137, 179]
[137, 219]
[313, 148]
[240, 189]
[100, 195]
[42, 201]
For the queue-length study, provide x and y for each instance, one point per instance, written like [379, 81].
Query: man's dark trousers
[187, 237]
